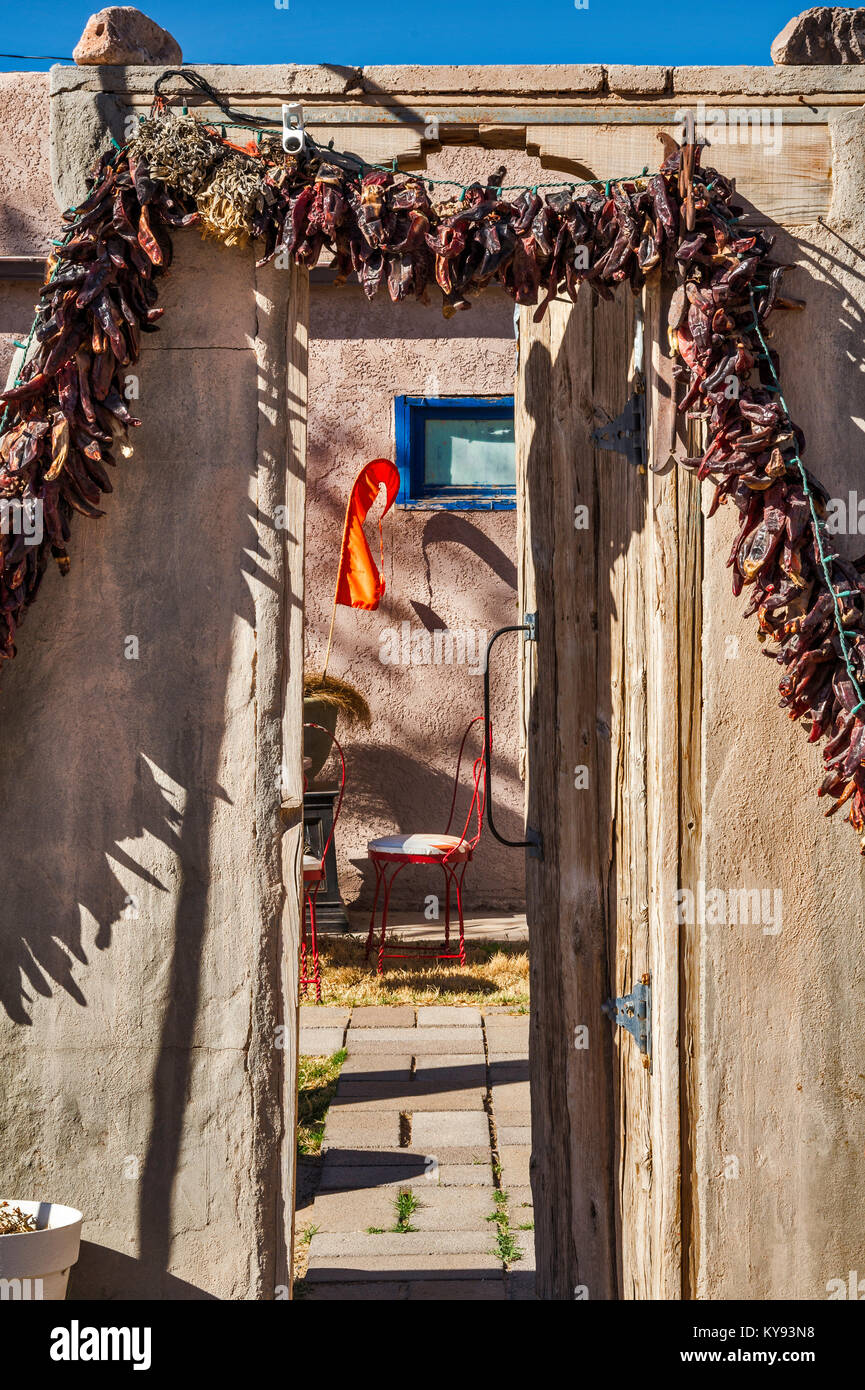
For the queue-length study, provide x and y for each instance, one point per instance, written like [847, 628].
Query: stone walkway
[436, 1101]
[510, 926]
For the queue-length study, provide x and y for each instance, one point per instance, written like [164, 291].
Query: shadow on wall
[446, 526]
[102, 1271]
[109, 776]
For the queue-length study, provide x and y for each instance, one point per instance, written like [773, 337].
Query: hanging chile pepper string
[67, 412]
[816, 519]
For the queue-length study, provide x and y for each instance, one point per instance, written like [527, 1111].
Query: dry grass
[495, 973]
[352, 706]
[317, 1078]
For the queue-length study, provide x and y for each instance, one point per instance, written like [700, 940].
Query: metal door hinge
[634, 1012]
[530, 624]
[627, 433]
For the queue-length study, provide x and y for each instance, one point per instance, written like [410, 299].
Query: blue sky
[439, 31]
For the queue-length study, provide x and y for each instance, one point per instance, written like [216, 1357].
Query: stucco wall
[28, 213]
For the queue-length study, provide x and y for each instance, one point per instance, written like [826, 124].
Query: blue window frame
[456, 452]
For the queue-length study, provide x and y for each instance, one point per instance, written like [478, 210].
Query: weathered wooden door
[610, 558]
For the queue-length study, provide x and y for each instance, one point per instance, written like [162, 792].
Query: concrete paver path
[432, 1101]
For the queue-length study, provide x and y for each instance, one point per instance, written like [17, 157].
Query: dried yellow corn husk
[230, 200]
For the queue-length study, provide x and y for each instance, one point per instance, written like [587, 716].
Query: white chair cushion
[435, 846]
[310, 862]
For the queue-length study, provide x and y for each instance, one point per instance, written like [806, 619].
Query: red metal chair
[313, 878]
[453, 853]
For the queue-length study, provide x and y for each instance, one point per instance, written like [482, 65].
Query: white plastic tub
[36, 1264]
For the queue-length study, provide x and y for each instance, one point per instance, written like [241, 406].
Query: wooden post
[675, 569]
[570, 1047]
[295, 405]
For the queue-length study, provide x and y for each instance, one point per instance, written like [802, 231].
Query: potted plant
[325, 700]
[39, 1244]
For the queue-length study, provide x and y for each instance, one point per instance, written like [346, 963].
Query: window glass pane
[469, 453]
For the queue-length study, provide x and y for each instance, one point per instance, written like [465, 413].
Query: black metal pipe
[533, 844]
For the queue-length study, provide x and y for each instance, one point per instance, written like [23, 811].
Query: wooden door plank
[621, 723]
[662, 796]
[791, 184]
[375, 144]
[570, 1054]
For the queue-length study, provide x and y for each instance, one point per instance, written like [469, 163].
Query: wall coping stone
[554, 79]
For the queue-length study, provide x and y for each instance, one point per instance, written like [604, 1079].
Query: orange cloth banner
[360, 584]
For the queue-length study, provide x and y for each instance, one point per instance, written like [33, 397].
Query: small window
[456, 452]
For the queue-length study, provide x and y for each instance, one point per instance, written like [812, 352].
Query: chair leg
[384, 907]
[459, 888]
[303, 976]
[388, 885]
[370, 937]
[447, 904]
[316, 972]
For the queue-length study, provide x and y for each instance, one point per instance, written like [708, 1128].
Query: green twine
[816, 521]
[431, 183]
[26, 346]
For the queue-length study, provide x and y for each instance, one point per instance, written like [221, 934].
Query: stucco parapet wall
[263, 80]
[640, 80]
[841, 79]
[550, 80]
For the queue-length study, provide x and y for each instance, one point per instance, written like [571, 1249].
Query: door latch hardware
[533, 841]
[293, 135]
[627, 433]
[634, 1012]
